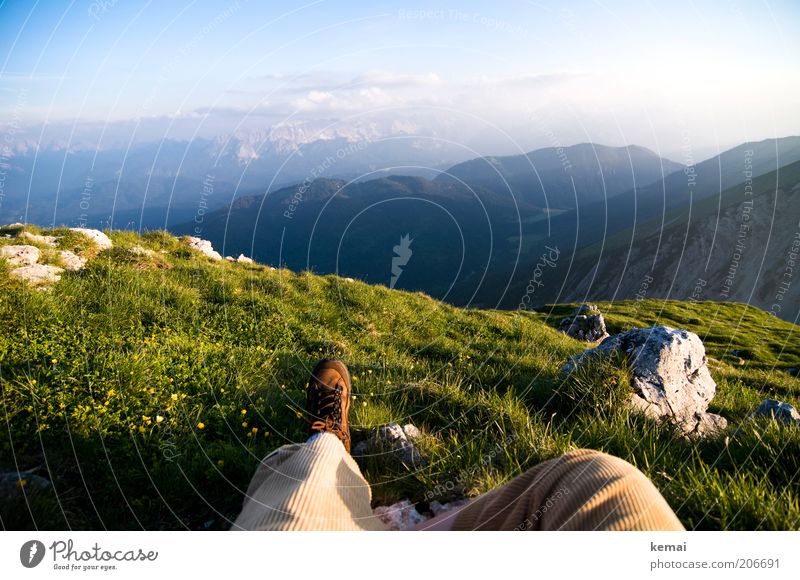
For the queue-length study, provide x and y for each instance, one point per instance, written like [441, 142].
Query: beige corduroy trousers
[318, 486]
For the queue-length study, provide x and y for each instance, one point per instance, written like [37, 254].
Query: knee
[585, 458]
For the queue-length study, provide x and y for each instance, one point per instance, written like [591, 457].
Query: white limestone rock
[72, 261]
[50, 241]
[21, 255]
[778, 411]
[140, 251]
[400, 516]
[38, 274]
[670, 376]
[203, 246]
[99, 238]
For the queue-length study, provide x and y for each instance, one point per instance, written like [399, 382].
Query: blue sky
[109, 60]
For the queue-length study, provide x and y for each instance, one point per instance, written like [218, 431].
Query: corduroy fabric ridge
[318, 486]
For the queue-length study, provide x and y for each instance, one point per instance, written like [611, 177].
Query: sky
[505, 74]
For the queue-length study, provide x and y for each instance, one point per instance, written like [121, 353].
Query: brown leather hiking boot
[328, 399]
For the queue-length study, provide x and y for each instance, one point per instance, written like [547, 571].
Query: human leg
[315, 485]
[581, 490]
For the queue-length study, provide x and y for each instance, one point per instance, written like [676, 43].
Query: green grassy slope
[147, 388]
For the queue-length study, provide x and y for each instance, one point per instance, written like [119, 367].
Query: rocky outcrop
[38, 274]
[242, 259]
[71, 261]
[395, 441]
[101, 240]
[778, 411]
[20, 255]
[49, 241]
[203, 246]
[670, 377]
[586, 323]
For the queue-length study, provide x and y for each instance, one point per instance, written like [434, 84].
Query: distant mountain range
[147, 184]
[742, 246]
[585, 222]
[551, 225]
[565, 177]
[464, 235]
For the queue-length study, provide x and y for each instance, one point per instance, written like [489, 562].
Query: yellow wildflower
[243, 411]
[159, 418]
[201, 425]
[174, 397]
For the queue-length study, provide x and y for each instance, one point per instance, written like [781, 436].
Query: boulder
[38, 274]
[670, 376]
[20, 255]
[242, 259]
[586, 323]
[101, 240]
[72, 261]
[395, 441]
[778, 411]
[204, 247]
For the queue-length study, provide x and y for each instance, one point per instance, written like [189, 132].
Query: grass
[147, 387]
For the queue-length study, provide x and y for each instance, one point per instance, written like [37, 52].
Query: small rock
[392, 439]
[400, 516]
[586, 323]
[242, 259]
[20, 255]
[101, 240]
[204, 247]
[349, 280]
[44, 240]
[710, 425]
[72, 261]
[12, 482]
[411, 431]
[140, 251]
[443, 508]
[38, 274]
[778, 411]
[230, 258]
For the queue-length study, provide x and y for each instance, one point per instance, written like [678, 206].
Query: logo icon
[403, 255]
[31, 553]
